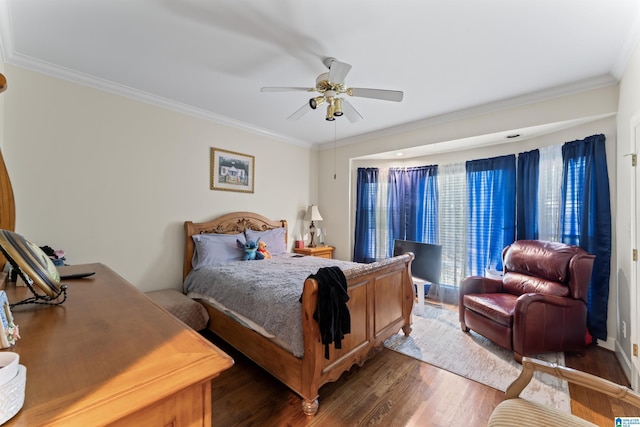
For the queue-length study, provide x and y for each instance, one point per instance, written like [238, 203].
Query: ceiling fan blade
[385, 95]
[351, 113]
[286, 89]
[300, 112]
[338, 71]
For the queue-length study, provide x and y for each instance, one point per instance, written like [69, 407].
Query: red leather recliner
[539, 306]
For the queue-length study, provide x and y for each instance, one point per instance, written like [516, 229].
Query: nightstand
[319, 251]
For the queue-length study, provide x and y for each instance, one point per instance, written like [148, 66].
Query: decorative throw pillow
[216, 248]
[274, 239]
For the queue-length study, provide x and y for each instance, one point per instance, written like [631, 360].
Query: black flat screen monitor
[427, 262]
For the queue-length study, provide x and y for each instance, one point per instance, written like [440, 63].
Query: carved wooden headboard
[235, 222]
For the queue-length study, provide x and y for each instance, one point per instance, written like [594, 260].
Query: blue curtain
[585, 219]
[491, 189]
[395, 213]
[364, 249]
[413, 203]
[430, 229]
[527, 195]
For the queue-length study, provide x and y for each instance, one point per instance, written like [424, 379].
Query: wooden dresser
[109, 355]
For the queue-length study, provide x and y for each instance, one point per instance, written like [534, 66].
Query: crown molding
[628, 47]
[542, 95]
[10, 56]
[137, 95]
[7, 49]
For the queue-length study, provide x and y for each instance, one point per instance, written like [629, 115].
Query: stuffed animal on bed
[262, 249]
[250, 250]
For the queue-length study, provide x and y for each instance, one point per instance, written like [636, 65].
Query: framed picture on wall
[231, 171]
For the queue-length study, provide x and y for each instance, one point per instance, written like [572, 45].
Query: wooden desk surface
[105, 353]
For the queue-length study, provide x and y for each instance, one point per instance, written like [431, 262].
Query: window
[452, 230]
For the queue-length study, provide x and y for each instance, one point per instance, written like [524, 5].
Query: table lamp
[313, 214]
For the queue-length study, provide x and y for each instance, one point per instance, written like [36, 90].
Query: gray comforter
[265, 291]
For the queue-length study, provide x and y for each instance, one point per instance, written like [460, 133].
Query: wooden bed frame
[381, 300]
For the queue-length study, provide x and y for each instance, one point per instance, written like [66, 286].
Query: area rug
[437, 339]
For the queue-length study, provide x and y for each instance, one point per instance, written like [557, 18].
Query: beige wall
[627, 221]
[112, 180]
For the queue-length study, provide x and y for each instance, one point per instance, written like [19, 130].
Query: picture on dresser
[231, 171]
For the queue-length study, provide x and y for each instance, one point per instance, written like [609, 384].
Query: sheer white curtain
[382, 216]
[452, 222]
[549, 193]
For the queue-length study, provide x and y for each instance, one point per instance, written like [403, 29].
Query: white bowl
[12, 395]
[9, 362]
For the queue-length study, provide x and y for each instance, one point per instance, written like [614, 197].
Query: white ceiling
[210, 58]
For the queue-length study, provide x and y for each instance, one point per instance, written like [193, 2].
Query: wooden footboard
[381, 299]
[380, 303]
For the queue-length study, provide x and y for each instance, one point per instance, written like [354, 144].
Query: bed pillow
[216, 248]
[274, 239]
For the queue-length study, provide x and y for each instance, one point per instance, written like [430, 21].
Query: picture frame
[231, 171]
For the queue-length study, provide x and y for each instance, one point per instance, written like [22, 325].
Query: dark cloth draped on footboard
[332, 313]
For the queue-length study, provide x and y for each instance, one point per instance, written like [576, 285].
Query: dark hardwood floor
[392, 389]
[591, 405]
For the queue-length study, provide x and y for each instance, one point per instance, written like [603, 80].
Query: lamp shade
[313, 214]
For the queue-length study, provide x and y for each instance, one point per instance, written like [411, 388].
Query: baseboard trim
[625, 363]
[609, 344]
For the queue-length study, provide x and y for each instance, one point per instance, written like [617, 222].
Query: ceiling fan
[330, 86]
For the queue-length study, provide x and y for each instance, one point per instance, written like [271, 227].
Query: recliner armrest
[480, 285]
[525, 300]
[555, 308]
[544, 323]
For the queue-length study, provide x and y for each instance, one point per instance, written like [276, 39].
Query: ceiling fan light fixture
[330, 112]
[314, 102]
[331, 86]
[337, 107]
